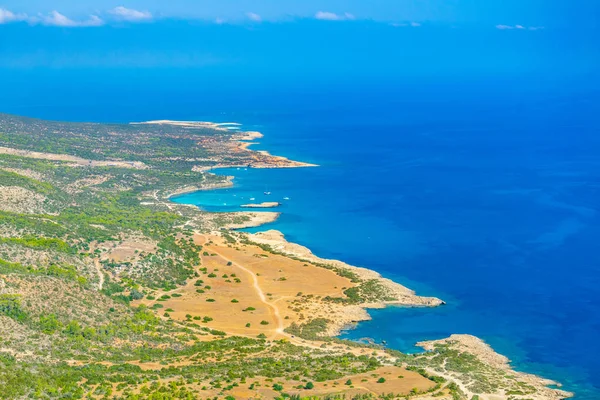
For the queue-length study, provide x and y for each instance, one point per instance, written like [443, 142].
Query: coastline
[485, 353]
[198, 188]
[354, 314]
[345, 316]
[406, 296]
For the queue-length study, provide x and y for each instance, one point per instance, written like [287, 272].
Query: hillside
[109, 290]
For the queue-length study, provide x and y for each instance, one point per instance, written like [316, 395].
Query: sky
[547, 13]
[312, 40]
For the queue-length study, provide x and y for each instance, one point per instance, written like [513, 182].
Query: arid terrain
[108, 290]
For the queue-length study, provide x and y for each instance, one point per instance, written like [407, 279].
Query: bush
[10, 305]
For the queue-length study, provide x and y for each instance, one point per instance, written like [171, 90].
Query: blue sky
[266, 40]
[548, 13]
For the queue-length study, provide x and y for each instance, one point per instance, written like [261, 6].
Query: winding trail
[263, 298]
[98, 267]
[274, 310]
[100, 274]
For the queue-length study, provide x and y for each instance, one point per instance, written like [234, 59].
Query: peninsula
[110, 290]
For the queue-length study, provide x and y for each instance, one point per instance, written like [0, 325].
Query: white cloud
[329, 16]
[519, 27]
[57, 19]
[254, 17]
[128, 14]
[7, 16]
[404, 24]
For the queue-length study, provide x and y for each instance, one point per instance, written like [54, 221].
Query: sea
[484, 194]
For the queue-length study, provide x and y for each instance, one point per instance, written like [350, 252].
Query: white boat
[267, 193]
[252, 199]
[286, 198]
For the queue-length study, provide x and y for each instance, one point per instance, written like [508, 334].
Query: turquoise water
[462, 162]
[486, 196]
[491, 206]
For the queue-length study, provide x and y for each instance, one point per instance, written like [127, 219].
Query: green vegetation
[85, 242]
[312, 330]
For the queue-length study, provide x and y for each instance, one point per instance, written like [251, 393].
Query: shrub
[10, 305]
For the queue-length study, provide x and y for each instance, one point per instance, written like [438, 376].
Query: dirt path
[100, 273]
[272, 306]
[72, 160]
[274, 311]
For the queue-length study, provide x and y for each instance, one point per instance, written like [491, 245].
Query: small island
[266, 204]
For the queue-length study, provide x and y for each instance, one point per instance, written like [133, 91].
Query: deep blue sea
[487, 197]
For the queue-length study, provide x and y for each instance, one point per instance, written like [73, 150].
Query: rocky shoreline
[484, 353]
[346, 316]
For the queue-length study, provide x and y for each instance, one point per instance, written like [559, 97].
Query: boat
[286, 198]
[252, 199]
[267, 193]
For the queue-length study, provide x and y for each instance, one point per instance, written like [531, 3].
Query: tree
[309, 386]
[381, 380]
